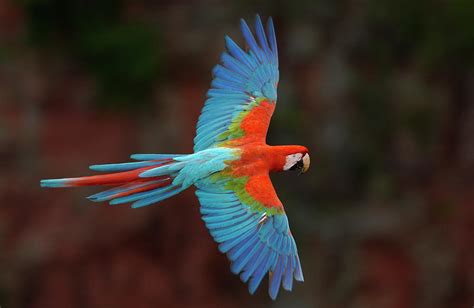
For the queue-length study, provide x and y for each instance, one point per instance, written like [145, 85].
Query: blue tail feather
[154, 156]
[54, 183]
[124, 166]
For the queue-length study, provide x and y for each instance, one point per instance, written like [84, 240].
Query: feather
[262, 37]
[235, 65]
[126, 189]
[154, 156]
[232, 220]
[242, 260]
[239, 249]
[272, 38]
[298, 272]
[275, 278]
[126, 166]
[218, 211]
[162, 170]
[260, 272]
[249, 38]
[253, 265]
[225, 73]
[141, 195]
[288, 275]
[158, 197]
[243, 238]
[239, 54]
[226, 235]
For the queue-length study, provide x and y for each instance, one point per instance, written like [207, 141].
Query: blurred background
[380, 91]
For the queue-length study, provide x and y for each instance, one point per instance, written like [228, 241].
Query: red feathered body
[257, 158]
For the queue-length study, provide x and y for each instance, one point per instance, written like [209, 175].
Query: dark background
[380, 91]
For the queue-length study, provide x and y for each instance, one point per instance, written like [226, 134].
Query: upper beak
[306, 163]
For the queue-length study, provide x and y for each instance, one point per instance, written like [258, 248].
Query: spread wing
[243, 92]
[246, 218]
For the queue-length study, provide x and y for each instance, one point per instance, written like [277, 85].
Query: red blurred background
[380, 91]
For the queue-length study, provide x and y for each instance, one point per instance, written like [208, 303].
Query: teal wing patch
[242, 78]
[255, 243]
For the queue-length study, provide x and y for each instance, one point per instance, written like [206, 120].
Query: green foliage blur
[123, 56]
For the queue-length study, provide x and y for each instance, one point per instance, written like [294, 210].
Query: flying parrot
[229, 167]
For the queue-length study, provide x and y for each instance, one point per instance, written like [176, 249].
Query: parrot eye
[298, 162]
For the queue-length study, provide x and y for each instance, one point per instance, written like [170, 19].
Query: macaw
[229, 167]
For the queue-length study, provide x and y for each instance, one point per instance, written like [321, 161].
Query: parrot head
[298, 161]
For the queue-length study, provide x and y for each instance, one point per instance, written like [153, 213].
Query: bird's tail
[130, 182]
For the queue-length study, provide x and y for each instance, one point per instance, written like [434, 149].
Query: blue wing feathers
[214, 221]
[254, 248]
[240, 76]
[287, 247]
[213, 118]
[239, 54]
[238, 265]
[233, 64]
[225, 73]
[140, 195]
[252, 266]
[266, 231]
[219, 83]
[273, 239]
[260, 272]
[203, 143]
[224, 212]
[224, 95]
[220, 205]
[233, 228]
[221, 237]
[212, 125]
[218, 119]
[210, 128]
[251, 260]
[218, 210]
[217, 198]
[224, 223]
[228, 245]
[238, 250]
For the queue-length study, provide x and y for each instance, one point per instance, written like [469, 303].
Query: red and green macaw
[229, 167]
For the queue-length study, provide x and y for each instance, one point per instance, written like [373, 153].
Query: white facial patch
[291, 160]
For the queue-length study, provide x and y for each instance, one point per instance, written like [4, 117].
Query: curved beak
[306, 163]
